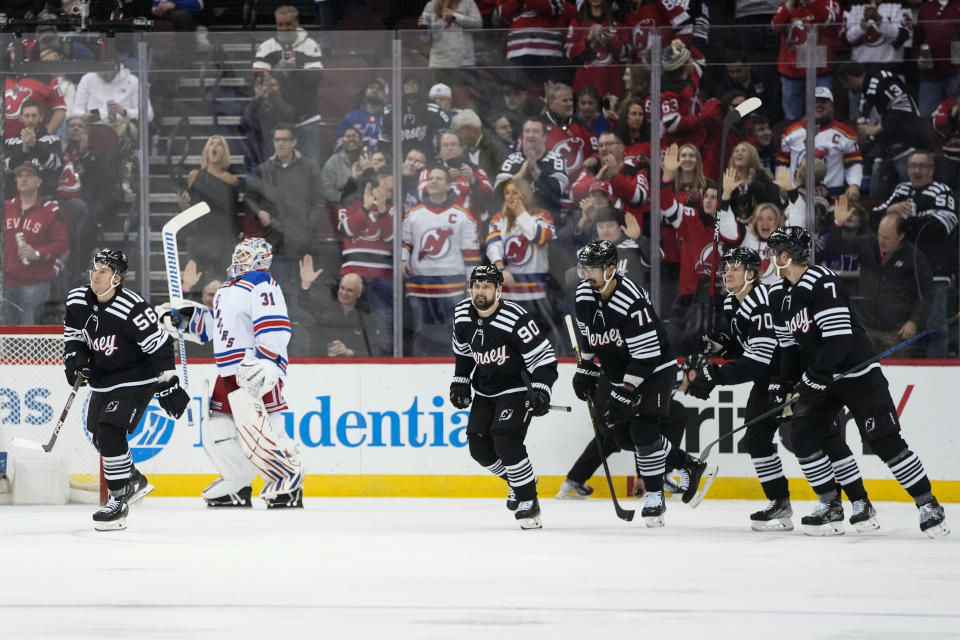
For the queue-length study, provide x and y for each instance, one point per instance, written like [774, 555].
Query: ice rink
[461, 568]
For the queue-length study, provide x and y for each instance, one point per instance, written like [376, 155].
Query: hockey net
[33, 392]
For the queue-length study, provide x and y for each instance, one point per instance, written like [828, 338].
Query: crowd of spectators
[520, 154]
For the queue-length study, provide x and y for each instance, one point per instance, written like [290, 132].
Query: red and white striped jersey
[367, 241]
[440, 243]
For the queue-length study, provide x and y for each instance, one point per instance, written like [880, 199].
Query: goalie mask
[252, 254]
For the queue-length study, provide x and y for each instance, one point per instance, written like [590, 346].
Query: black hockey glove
[538, 400]
[777, 389]
[173, 399]
[707, 378]
[812, 387]
[585, 380]
[460, 393]
[717, 343]
[77, 364]
[621, 406]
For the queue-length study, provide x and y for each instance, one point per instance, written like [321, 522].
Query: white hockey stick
[174, 286]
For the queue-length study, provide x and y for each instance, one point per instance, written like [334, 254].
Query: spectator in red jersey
[593, 40]
[367, 230]
[946, 122]
[793, 22]
[937, 28]
[565, 136]
[649, 17]
[470, 183]
[628, 181]
[17, 91]
[35, 242]
[535, 41]
[695, 226]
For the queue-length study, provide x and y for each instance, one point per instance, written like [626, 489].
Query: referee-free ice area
[461, 568]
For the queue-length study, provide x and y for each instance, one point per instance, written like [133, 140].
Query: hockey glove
[707, 378]
[777, 390]
[717, 343]
[812, 387]
[621, 406]
[460, 393]
[585, 380]
[77, 364]
[173, 399]
[538, 399]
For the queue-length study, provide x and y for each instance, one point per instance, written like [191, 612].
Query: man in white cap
[836, 144]
[442, 96]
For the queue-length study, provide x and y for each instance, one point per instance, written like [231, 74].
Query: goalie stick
[623, 514]
[174, 286]
[780, 407]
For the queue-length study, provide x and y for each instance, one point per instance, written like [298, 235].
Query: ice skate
[932, 519]
[776, 516]
[138, 488]
[528, 513]
[653, 508]
[864, 516]
[825, 520]
[241, 498]
[292, 500]
[701, 476]
[113, 515]
[573, 490]
[672, 487]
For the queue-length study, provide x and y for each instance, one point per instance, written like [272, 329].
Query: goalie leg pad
[222, 445]
[265, 445]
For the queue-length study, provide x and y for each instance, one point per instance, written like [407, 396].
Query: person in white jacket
[450, 22]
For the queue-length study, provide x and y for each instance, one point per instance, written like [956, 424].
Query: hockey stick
[623, 514]
[737, 114]
[174, 287]
[63, 414]
[776, 410]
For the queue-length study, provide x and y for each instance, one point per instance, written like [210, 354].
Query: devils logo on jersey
[434, 244]
[571, 150]
[517, 250]
[704, 264]
[797, 35]
[13, 99]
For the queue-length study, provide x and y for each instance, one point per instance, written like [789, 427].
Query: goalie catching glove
[257, 375]
[173, 399]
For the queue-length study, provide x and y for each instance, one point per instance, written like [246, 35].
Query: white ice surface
[459, 569]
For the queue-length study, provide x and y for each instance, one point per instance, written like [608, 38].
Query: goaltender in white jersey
[250, 330]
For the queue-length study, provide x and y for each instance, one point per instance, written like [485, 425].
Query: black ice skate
[672, 489]
[933, 519]
[864, 516]
[512, 500]
[653, 508]
[292, 500]
[826, 519]
[241, 498]
[113, 515]
[776, 516]
[528, 513]
[573, 490]
[138, 488]
[696, 470]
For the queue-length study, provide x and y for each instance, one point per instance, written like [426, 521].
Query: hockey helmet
[794, 240]
[749, 258]
[487, 273]
[113, 258]
[252, 254]
[598, 253]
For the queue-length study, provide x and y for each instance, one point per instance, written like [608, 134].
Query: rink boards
[384, 429]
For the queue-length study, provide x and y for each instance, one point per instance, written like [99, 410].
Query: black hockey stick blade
[63, 414]
[623, 514]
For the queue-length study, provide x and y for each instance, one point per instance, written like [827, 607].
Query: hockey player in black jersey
[812, 303]
[504, 356]
[113, 342]
[617, 325]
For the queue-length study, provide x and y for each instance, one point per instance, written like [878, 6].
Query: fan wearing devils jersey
[812, 303]
[440, 246]
[619, 326]
[17, 91]
[250, 330]
[504, 356]
[113, 343]
[564, 135]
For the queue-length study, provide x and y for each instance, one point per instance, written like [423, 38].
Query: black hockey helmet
[598, 253]
[486, 273]
[113, 258]
[749, 258]
[794, 240]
